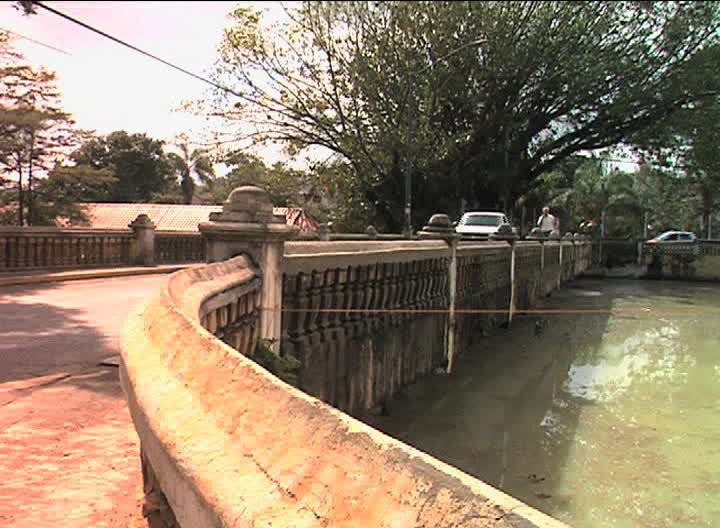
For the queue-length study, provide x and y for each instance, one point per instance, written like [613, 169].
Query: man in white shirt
[547, 222]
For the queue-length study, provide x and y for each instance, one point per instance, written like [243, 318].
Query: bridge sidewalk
[38, 276]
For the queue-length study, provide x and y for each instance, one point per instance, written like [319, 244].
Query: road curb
[62, 276]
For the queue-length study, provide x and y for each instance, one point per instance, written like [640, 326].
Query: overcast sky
[108, 87]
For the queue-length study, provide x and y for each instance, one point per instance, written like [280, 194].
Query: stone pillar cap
[554, 235]
[535, 234]
[142, 222]
[505, 232]
[248, 213]
[248, 204]
[439, 226]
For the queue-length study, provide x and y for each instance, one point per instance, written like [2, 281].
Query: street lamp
[411, 131]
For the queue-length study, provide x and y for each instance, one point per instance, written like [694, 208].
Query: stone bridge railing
[226, 443]
[173, 247]
[28, 248]
[47, 247]
[699, 260]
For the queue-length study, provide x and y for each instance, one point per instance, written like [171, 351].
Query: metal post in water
[439, 227]
[602, 236]
[710, 226]
[506, 233]
[560, 260]
[451, 309]
[512, 281]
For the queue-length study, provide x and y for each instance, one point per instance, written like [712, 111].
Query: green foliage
[141, 167]
[683, 152]
[284, 367]
[191, 165]
[583, 190]
[61, 194]
[287, 187]
[34, 130]
[474, 99]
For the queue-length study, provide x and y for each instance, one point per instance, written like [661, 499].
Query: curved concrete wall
[231, 445]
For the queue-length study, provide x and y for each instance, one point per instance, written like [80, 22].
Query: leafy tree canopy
[138, 162]
[475, 99]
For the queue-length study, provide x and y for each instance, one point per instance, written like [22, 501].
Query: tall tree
[684, 150]
[590, 189]
[34, 130]
[138, 162]
[191, 164]
[474, 99]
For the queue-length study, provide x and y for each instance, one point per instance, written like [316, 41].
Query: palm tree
[192, 163]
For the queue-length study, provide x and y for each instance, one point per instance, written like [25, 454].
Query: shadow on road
[39, 339]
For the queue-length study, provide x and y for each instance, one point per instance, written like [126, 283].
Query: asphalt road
[68, 451]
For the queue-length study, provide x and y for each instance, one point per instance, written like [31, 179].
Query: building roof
[170, 217]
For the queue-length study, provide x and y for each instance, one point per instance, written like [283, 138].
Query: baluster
[377, 290]
[326, 296]
[403, 290]
[316, 287]
[98, 250]
[212, 322]
[32, 252]
[117, 250]
[78, 250]
[4, 264]
[12, 252]
[303, 284]
[50, 251]
[128, 250]
[347, 292]
[83, 249]
[22, 252]
[338, 281]
[43, 241]
[392, 285]
[288, 320]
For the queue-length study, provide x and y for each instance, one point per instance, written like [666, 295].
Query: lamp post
[410, 132]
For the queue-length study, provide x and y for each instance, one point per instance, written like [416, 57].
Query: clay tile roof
[170, 217]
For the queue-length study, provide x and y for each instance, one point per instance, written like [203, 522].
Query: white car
[673, 237]
[480, 224]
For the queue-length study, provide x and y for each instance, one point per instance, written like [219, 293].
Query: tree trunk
[21, 193]
[30, 216]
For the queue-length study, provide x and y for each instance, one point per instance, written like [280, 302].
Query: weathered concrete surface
[69, 455]
[232, 445]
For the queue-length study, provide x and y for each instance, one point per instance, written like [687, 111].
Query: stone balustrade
[698, 260]
[48, 247]
[226, 444]
[361, 321]
[28, 248]
[171, 247]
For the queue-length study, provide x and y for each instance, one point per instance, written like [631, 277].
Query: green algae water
[608, 415]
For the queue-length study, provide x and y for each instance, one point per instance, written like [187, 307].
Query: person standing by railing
[547, 222]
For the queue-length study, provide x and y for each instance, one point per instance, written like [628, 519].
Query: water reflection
[604, 420]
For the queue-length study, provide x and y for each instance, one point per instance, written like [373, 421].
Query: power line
[138, 50]
[33, 40]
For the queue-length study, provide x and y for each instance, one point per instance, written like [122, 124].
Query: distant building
[170, 217]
